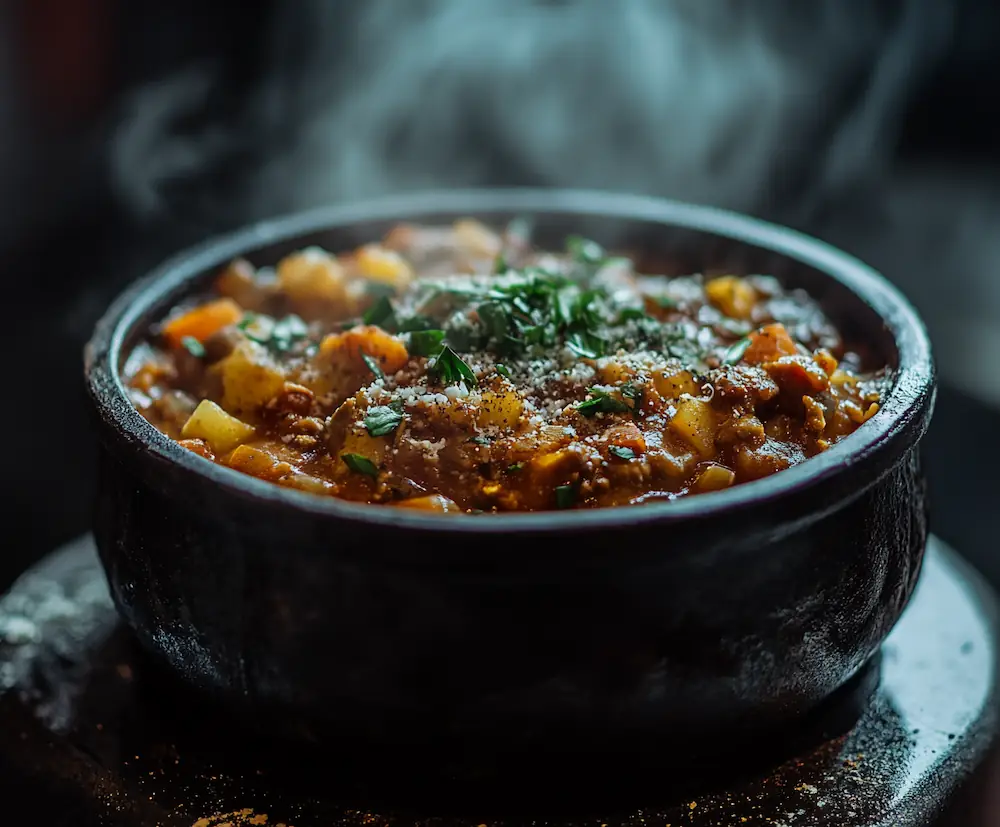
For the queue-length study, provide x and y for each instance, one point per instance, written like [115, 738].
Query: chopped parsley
[621, 452]
[381, 313]
[633, 397]
[277, 335]
[503, 370]
[360, 464]
[479, 440]
[584, 250]
[601, 402]
[514, 467]
[373, 365]
[451, 368]
[426, 342]
[193, 346]
[565, 496]
[736, 351]
[384, 419]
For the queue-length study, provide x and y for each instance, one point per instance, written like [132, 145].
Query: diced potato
[385, 266]
[202, 321]
[715, 477]
[257, 463]
[501, 409]
[694, 422]
[250, 379]
[769, 343]
[614, 373]
[347, 348]
[732, 295]
[672, 384]
[549, 469]
[359, 441]
[667, 464]
[477, 238]
[312, 275]
[238, 283]
[220, 430]
[434, 502]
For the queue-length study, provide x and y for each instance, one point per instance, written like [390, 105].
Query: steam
[769, 107]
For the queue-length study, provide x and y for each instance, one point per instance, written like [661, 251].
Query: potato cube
[250, 379]
[257, 463]
[672, 384]
[384, 266]
[312, 275]
[694, 422]
[359, 441]
[476, 238]
[220, 430]
[714, 477]
[501, 409]
[732, 295]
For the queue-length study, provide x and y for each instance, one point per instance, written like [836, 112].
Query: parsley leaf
[360, 464]
[631, 313]
[193, 346]
[412, 323]
[286, 333]
[426, 342]
[373, 365]
[601, 402]
[736, 351]
[565, 496]
[514, 467]
[622, 452]
[584, 250]
[381, 313]
[632, 394]
[503, 370]
[384, 419]
[586, 344]
[451, 368]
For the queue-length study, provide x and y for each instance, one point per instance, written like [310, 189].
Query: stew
[459, 369]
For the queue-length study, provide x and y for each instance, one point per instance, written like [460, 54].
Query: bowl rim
[905, 408]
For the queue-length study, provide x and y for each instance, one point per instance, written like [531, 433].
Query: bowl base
[91, 736]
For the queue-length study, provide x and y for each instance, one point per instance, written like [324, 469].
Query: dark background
[131, 129]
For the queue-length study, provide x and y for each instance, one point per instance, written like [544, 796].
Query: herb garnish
[565, 496]
[381, 313]
[478, 440]
[736, 351]
[584, 250]
[373, 365]
[622, 452]
[426, 342]
[633, 397]
[193, 346]
[503, 370]
[360, 464]
[451, 368]
[514, 467]
[384, 419]
[278, 336]
[601, 402]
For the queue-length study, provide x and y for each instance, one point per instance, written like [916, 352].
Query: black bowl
[710, 621]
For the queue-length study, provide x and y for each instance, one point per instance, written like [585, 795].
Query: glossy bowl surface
[721, 616]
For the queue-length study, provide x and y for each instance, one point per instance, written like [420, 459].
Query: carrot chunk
[201, 322]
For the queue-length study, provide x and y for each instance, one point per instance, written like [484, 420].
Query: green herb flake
[514, 467]
[665, 302]
[633, 397]
[479, 440]
[373, 365]
[503, 370]
[621, 452]
[426, 342]
[632, 314]
[586, 344]
[383, 419]
[735, 352]
[584, 250]
[601, 402]
[381, 313]
[565, 496]
[500, 264]
[418, 322]
[193, 346]
[360, 464]
[451, 368]
[286, 333]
